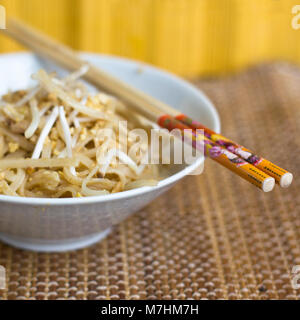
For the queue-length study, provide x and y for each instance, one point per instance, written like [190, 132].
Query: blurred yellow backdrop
[188, 37]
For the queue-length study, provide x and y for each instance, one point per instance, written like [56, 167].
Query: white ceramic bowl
[67, 224]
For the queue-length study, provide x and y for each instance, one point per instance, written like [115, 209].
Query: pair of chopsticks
[257, 170]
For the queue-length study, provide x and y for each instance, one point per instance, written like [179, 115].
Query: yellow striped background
[189, 37]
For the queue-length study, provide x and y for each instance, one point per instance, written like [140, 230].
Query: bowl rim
[130, 193]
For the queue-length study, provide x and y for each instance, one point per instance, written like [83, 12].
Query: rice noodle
[6, 189]
[30, 95]
[91, 192]
[73, 190]
[77, 74]
[124, 158]
[17, 138]
[82, 119]
[72, 115]
[50, 86]
[49, 124]
[37, 163]
[34, 91]
[35, 116]
[45, 179]
[3, 147]
[18, 179]
[66, 129]
[58, 140]
[140, 183]
[44, 110]
[46, 152]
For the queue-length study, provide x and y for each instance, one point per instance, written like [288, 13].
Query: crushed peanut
[12, 147]
[83, 134]
[30, 170]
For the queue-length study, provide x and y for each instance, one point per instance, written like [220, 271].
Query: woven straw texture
[212, 236]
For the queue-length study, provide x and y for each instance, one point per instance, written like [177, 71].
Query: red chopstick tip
[286, 180]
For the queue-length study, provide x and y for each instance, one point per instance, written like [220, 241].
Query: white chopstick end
[286, 180]
[268, 184]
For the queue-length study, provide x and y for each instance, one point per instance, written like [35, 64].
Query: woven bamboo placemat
[211, 236]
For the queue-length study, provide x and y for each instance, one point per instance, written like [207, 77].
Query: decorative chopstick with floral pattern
[221, 155]
[281, 176]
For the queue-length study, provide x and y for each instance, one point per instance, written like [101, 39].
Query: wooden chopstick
[152, 109]
[69, 59]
